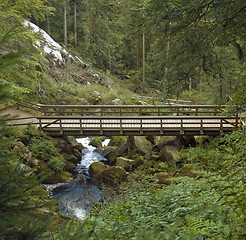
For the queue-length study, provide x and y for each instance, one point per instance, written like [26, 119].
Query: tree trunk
[75, 23]
[143, 53]
[48, 24]
[65, 22]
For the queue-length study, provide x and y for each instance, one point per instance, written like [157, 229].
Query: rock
[162, 178]
[170, 154]
[97, 141]
[144, 147]
[41, 166]
[69, 166]
[123, 149]
[94, 97]
[162, 141]
[71, 158]
[116, 101]
[111, 153]
[58, 177]
[127, 164]
[96, 168]
[77, 154]
[187, 141]
[113, 176]
[117, 141]
[76, 145]
[63, 144]
[23, 152]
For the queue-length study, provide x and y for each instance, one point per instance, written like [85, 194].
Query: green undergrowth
[209, 206]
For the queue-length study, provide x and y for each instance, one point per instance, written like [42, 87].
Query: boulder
[128, 164]
[96, 171]
[117, 141]
[113, 176]
[58, 177]
[96, 168]
[162, 141]
[77, 154]
[125, 163]
[76, 145]
[69, 167]
[144, 146]
[71, 158]
[97, 141]
[170, 154]
[110, 152]
[123, 149]
[187, 141]
[64, 145]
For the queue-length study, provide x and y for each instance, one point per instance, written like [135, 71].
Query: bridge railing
[132, 110]
[144, 125]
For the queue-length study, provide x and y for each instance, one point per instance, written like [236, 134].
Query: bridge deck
[134, 125]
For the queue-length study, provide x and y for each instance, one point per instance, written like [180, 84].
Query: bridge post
[131, 146]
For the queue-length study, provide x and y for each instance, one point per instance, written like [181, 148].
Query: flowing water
[76, 198]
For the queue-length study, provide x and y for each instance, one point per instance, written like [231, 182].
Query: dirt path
[25, 117]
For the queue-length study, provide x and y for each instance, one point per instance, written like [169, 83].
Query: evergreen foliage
[21, 197]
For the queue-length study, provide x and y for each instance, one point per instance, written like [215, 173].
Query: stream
[76, 197]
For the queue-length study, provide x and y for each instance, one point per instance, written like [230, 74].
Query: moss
[117, 141]
[97, 141]
[59, 177]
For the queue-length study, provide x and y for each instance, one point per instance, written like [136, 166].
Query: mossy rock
[97, 141]
[113, 176]
[111, 153]
[96, 168]
[58, 177]
[117, 141]
[71, 158]
[128, 164]
[69, 166]
[77, 154]
[63, 144]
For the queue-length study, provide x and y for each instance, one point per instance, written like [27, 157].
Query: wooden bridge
[135, 120]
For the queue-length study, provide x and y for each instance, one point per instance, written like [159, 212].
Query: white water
[75, 198]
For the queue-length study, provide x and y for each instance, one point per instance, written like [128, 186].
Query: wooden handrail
[136, 110]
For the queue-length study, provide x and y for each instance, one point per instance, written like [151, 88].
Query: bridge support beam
[131, 146]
